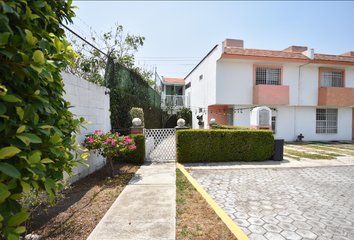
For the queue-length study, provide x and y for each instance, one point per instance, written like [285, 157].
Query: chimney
[296, 49]
[233, 43]
[309, 53]
[348, 54]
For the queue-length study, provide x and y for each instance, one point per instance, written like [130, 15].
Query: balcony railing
[173, 100]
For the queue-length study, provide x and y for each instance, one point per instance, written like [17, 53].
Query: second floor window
[268, 75]
[332, 78]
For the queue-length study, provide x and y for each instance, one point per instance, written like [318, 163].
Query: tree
[37, 130]
[122, 47]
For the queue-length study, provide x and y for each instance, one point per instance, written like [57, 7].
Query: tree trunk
[111, 163]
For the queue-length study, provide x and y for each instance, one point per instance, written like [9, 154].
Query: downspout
[310, 54]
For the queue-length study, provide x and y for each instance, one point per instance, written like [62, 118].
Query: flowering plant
[109, 145]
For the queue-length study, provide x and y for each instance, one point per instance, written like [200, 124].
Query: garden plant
[109, 145]
[37, 130]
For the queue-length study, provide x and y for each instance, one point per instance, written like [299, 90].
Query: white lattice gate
[160, 144]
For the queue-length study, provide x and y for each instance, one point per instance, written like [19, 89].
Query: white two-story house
[309, 93]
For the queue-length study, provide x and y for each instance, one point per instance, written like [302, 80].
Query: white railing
[173, 100]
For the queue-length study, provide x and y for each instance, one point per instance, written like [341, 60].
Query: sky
[180, 33]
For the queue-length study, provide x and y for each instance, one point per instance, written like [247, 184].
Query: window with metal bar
[331, 78]
[326, 120]
[264, 117]
[268, 76]
[273, 124]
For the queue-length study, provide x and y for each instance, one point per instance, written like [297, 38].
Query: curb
[239, 234]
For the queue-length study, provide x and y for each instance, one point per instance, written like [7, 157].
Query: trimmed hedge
[217, 126]
[137, 156]
[224, 145]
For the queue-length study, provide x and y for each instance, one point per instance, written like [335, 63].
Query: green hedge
[224, 145]
[217, 126]
[137, 156]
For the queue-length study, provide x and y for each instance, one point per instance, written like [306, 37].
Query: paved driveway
[299, 203]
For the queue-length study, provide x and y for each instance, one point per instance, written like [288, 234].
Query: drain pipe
[311, 53]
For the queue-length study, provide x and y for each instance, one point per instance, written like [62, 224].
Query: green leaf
[13, 183]
[6, 53]
[38, 57]
[57, 43]
[13, 236]
[25, 140]
[18, 218]
[2, 108]
[32, 137]
[46, 160]
[28, 112]
[55, 138]
[16, 196]
[4, 193]
[4, 37]
[26, 187]
[20, 230]
[55, 151]
[20, 112]
[35, 157]
[39, 4]
[36, 118]
[8, 152]
[25, 57]
[21, 129]
[37, 69]
[11, 98]
[10, 170]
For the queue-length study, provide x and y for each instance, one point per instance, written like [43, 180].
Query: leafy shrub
[137, 156]
[37, 129]
[217, 126]
[224, 145]
[109, 145]
[137, 113]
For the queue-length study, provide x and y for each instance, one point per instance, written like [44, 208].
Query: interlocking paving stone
[302, 203]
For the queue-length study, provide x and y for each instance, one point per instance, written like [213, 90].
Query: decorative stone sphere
[212, 121]
[181, 122]
[136, 122]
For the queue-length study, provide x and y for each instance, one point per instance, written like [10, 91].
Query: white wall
[90, 102]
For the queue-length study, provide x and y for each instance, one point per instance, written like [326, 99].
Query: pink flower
[120, 143]
[96, 131]
[113, 142]
[105, 143]
[108, 140]
[132, 147]
[90, 140]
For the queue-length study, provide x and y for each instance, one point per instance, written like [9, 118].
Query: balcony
[271, 95]
[335, 96]
[175, 101]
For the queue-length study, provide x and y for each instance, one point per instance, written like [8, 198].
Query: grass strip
[308, 155]
[330, 148]
[291, 156]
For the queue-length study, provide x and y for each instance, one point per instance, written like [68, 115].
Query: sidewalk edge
[240, 235]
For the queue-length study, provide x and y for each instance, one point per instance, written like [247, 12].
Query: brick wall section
[136, 130]
[89, 101]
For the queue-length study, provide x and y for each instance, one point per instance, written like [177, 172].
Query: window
[273, 124]
[331, 77]
[268, 75]
[264, 117]
[326, 120]
[201, 77]
[188, 85]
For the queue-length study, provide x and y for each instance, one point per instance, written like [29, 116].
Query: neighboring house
[173, 93]
[308, 93]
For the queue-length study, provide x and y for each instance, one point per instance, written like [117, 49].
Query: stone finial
[181, 122]
[136, 122]
[212, 121]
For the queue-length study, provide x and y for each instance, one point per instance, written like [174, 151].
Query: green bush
[37, 130]
[137, 156]
[137, 113]
[224, 145]
[217, 126]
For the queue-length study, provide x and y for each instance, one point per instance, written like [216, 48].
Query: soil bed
[84, 205]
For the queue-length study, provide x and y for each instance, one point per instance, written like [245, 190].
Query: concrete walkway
[146, 209]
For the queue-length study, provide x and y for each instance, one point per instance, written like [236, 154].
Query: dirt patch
[85, 203]
[195, 218]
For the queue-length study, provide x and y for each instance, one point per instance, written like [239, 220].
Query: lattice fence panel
[160, 144]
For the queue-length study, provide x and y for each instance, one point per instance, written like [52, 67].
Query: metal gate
[160, 144]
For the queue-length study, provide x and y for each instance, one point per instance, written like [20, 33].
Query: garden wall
[90, 102]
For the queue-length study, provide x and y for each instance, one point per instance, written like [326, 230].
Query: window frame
[330, 69]
[319, 128]
[274, 123]
[267, 66]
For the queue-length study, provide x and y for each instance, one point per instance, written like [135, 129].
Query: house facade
[173, 93]
[310, 94]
